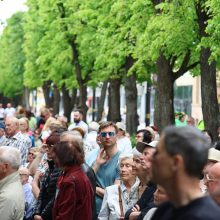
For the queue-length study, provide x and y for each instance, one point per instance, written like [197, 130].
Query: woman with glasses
[44, 204]
[119, 198]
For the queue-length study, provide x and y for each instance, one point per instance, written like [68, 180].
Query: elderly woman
[75, 194]
[119, 198]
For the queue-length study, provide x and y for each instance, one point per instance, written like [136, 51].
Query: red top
[74, 199]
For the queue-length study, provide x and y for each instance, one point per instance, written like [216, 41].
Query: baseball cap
[142, 145]
[214, 155]
[120, 125]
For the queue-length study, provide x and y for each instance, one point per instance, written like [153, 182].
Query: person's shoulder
[206, 203]
[161, 211]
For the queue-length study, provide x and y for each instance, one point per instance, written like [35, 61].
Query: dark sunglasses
[110, 134]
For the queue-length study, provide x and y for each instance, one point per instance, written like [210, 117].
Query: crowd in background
[52, 169]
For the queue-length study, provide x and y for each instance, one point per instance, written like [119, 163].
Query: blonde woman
[119, 198]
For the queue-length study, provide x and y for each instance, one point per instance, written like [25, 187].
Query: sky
[8, 8]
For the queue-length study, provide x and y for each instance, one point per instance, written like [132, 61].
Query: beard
[76, 120]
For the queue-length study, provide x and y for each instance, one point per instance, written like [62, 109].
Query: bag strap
[120, 204]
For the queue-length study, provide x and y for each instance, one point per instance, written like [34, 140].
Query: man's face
[139, 137]
[77, 117]
[162, 164]
[212, 182]
[108, 137]
[11, 128]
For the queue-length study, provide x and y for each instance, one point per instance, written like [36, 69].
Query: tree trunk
[131, 98]
[102, 101]
[114, 100]
[210, 107]
[68, 101]
[25, 98]
[82, 82]
[131, 104]
[164, 94]
[82, 100]
[56, 100]
[46, 91]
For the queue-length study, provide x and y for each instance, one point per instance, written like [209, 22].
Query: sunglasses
[110, 134]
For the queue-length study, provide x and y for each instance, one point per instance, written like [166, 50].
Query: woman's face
[126, 169]
[50, 152]
[23, 126]
[137, 168]
[160, 195]
[30, 157]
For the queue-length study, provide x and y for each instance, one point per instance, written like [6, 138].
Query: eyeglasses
[207, 178]
[48, 145]
[110, 134]
[30, 154]
[23, 174]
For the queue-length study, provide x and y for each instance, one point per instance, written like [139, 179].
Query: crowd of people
[53, 170]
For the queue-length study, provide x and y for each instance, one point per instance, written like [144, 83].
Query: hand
[100, 191]
[136, 208]
[37, 217]
[102, 157]
[43, 149]
[134, 215]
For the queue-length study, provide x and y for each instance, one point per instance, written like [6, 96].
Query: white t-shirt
[124, 145]
[10, 112]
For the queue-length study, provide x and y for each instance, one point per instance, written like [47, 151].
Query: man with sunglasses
[105, 162]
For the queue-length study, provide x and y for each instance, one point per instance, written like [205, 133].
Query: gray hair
[10, 155]
[124, 157]
[71, 135]
[191, 144]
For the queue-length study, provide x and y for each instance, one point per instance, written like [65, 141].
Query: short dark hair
[79, 110]
[191, 144]
[70, 153]
[108, 124]
[147, 136]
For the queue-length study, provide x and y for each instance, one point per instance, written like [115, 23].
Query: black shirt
[203, 208]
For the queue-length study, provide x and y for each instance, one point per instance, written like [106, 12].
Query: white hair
[124, 157]
[71, 135]
[10, 155]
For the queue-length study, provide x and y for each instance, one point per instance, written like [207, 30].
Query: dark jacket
[74, 199]
[91, 175]
[145, 202]
[45, 200]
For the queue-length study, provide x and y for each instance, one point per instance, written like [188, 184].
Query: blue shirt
[106, 174]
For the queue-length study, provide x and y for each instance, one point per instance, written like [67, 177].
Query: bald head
[12, 126]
